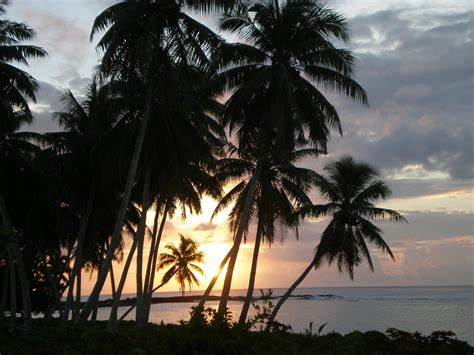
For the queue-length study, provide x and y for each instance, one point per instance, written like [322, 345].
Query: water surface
[423, 309]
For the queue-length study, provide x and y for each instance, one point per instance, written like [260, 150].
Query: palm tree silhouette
[276, 77]
[80, 148]
[351, 190]
[173, 170]
[16, 85]
[16, 88]
[282, 188]
[145, 37]
[182, 262]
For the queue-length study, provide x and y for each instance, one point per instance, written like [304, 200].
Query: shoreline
[130, 301]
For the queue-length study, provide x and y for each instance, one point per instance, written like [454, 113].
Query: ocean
[345, 309]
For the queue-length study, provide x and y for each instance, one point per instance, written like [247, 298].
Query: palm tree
[185, 191]
[144, 37]
[276, 77]
[40, 224]
[351, 190]
[174, 170]
[16, 87]
[177, 167]
[182, 262]
[282, 188]
[80, 145]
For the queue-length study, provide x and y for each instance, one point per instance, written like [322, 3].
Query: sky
[415, 60]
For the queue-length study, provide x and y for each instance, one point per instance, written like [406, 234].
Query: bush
[91, 338]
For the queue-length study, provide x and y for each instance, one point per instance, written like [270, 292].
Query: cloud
[429, 226]
[427, 250]
[437, 149]
[48, 101]
[427, 261]
[205, 227]
[413, 188]
[60, 37]
[417, 70]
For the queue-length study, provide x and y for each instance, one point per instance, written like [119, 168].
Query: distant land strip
[129, 301]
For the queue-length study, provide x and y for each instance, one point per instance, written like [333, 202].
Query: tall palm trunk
[111, 272]
[76, 270]
[277, 8]
[96, 304]
[112, 325]
[205, 296]
[152, 249]
[3, 303]
[25, 289]
[11, 268]
[57, 295]
[141, 236]
[150, 289]
[115, 240]
[112, 280]
[133, 305]
[238, 237]
[77, 304]
[253, 273]
[288, 293]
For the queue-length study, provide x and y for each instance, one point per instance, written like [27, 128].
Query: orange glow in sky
[280, 264]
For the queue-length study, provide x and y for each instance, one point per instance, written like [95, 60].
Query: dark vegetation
[92, 338]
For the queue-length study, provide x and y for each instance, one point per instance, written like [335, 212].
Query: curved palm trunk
[76, 269]
[16, 255]
[115, 240]
[205, 296]
[141, 236]
[112, 325]
[253, 273]
[288, 293]
[238, 237]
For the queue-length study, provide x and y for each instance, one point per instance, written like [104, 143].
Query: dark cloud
[71, 79]
[48, 101]
[49, 95]
[418, 73]
[408, 188]
[429, 226]
[436, 149]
